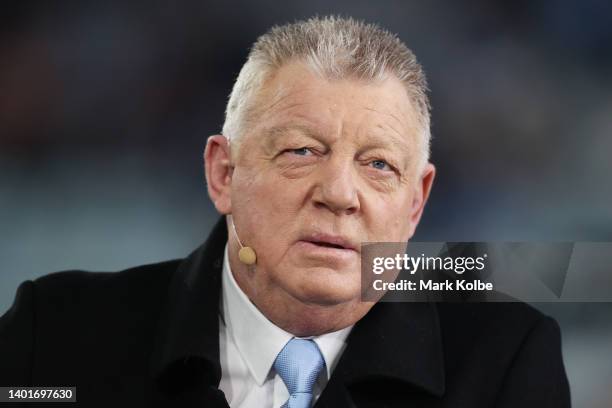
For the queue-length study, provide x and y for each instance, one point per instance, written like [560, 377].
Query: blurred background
[105, 108]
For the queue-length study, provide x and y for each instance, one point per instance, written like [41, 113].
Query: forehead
[294, 95]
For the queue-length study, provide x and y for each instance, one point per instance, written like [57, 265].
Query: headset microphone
[246, 254]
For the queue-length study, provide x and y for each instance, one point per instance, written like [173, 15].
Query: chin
[327, 292]
[326, 315]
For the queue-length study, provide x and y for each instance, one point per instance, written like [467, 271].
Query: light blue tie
[299, 364]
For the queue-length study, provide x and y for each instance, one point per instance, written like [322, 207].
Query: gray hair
[334, 48]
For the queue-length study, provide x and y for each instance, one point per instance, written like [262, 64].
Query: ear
[218, 169]
[422, 190]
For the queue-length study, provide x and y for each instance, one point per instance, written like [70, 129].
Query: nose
[336, 189]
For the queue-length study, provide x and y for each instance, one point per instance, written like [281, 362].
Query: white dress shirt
[249, 344]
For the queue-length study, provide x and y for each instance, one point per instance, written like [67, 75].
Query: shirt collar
[257, 339]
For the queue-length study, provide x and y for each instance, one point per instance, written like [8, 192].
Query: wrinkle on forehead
[280, 96]
[398, 120]
[273, 93]
[295, 86]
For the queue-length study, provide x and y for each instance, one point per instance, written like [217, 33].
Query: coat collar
[394, 341]
[186, 350]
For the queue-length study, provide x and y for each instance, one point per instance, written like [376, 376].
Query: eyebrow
[384, 138]
[389, 138]
[277, 131]
[274, 133]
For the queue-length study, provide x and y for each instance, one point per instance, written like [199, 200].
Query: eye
[380, 165]
[302, 151]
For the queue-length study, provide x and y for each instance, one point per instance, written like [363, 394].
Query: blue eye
[302, 151]
[380, 165]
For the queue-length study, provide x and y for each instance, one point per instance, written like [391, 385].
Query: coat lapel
[185, 363]
[395, 344]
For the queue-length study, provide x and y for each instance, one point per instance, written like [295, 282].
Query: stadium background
[105, 108]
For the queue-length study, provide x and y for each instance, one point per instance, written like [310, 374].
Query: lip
[330, 241]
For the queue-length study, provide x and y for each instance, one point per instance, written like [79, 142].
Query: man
[325, 146]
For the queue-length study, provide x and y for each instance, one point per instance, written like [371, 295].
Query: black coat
[150, 336]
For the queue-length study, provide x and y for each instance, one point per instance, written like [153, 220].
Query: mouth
[327, 244]
[330, 241]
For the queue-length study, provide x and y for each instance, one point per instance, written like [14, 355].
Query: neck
[300, 317]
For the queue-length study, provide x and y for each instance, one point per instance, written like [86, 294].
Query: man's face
[324, 166]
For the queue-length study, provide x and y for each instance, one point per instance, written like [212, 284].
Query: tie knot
[299, 364]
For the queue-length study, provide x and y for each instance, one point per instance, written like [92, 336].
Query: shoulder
[78, 288]
[66, 303]
[510, 345]
[62, 289]
[471, 320]
[58, 319]
[489, 312]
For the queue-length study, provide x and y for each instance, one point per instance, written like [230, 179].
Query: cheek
[277, 198]
[268, 207]
[388, 216]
